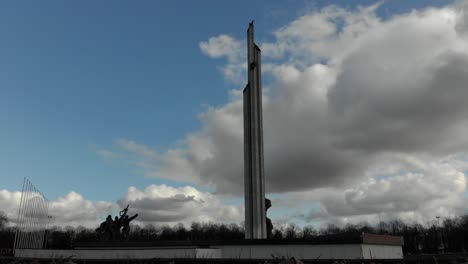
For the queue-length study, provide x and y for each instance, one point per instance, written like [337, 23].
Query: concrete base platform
[349, 251]
[357, 246]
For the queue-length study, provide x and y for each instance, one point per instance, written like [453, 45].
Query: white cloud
[230, 48]
[138, 149]
[9, 204]
[72, 209]
[328, 34]
[162, 204]
[223, 46]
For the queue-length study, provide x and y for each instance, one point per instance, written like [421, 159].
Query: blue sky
[75, 76]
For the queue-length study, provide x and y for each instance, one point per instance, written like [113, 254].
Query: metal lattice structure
[32, 218]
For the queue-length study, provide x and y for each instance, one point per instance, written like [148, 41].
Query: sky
[109, 103]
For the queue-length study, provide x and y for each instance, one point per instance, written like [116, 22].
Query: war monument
[258, 228]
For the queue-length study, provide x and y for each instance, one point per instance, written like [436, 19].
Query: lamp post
[441, 247]
[49, 218]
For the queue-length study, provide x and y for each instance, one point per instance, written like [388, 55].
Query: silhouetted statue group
[117, 229]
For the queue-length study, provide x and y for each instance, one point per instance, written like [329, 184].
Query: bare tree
[309, 232]
[292, 231]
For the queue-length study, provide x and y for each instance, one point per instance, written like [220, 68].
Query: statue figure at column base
[269, 224]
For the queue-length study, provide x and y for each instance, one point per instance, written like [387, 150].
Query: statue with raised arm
[124, 211]
[118, 224]
[126, 226]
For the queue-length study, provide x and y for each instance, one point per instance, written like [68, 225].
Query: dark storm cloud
[423, 113]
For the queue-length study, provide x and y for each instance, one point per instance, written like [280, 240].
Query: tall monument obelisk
[255, 225]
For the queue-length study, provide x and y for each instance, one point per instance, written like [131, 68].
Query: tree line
[450, 235]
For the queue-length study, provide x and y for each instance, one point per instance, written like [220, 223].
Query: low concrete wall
[332, 251]
[351, 251]
[120, 253]
[381, 252]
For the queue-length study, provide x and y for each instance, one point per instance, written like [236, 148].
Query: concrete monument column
[255, 223]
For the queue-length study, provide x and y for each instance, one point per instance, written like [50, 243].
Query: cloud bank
[156, 204]
[72, 209]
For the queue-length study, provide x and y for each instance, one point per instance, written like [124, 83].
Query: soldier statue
[110, 229]
[126, 226]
